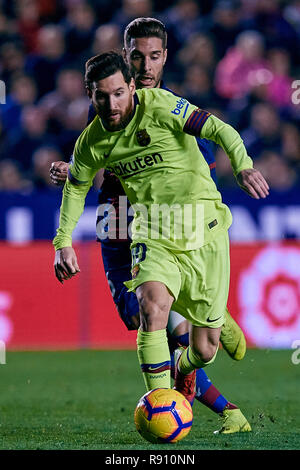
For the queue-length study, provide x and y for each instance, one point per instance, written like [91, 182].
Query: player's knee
[205, 352]
[153, 314]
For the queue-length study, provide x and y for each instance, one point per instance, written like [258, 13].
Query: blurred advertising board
[37, 312]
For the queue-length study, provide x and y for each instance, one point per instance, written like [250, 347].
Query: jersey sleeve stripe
[74, 180]
[195, 122]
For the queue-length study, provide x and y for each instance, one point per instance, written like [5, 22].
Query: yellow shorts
[197, 279]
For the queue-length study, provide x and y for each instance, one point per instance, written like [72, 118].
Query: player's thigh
[156, 279]
[153, 262]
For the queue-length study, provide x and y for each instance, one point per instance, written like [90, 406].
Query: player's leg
[156, 282]
[232, 337]
[202, 300]
[206, 392]
[153, 350]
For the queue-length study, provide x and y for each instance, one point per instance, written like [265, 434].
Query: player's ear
[165, 55]
[124, 54]
[88, 92]
[132, 87]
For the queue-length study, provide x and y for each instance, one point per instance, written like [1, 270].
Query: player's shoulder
[154, 96]
[160, 103]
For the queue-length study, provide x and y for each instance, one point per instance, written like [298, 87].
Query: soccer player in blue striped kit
[145, 49]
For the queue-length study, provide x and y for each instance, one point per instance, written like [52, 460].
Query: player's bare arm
[253, 183]
[59, 172]
[65, 264]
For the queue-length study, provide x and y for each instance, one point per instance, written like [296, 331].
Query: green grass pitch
[86, 399]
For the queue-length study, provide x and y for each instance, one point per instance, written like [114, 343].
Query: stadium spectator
[226, 25]
[69, 88]
[233, 57]
[268, 20]
[107, 37]
[49, 59]
[42, 159]
[197, 87]
[264, 130]
[182, 21]
[66, 109]
[11, 178]
[28, 23]
[279, 88]
[7, 29]
[243, 67]
[21, 143]
[76, 115]
[291, 13]
[291, 145]
[199, 49]
[131, 9]
[279, 174]
[23, 92]
[80, 27]
[12, 61]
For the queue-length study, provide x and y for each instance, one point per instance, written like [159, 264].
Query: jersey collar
[129, 126]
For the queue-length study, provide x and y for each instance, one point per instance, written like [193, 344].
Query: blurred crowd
[239, 59]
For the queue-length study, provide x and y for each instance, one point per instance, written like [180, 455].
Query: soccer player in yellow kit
[144, 138]
[145, 50]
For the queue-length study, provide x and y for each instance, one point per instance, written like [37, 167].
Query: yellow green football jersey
[161, 168]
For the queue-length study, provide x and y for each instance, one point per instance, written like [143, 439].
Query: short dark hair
[103, 65]
[145, 28]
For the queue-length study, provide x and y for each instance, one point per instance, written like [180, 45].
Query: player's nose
[112, 102]
[147, 64]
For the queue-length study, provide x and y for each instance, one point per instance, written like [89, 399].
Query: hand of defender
[253, 183]
[59, 172]
[65, 264]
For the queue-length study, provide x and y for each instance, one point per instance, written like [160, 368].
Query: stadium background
[238, 59]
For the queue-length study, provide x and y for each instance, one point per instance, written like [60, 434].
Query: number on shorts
[138, 253]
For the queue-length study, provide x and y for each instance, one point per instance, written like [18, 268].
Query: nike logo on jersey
[212, 321]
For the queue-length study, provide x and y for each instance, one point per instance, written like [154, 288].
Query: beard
[124, 118]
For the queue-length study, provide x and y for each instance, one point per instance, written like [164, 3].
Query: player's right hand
[65, 264]
[59, 172]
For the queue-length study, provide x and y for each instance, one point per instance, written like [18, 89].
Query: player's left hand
[253, 183]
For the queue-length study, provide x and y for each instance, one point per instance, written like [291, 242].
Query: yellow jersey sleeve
[81, 173]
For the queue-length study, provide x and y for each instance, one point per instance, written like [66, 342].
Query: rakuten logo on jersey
[138, 165]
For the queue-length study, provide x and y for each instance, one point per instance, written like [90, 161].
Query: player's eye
[100, 97]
